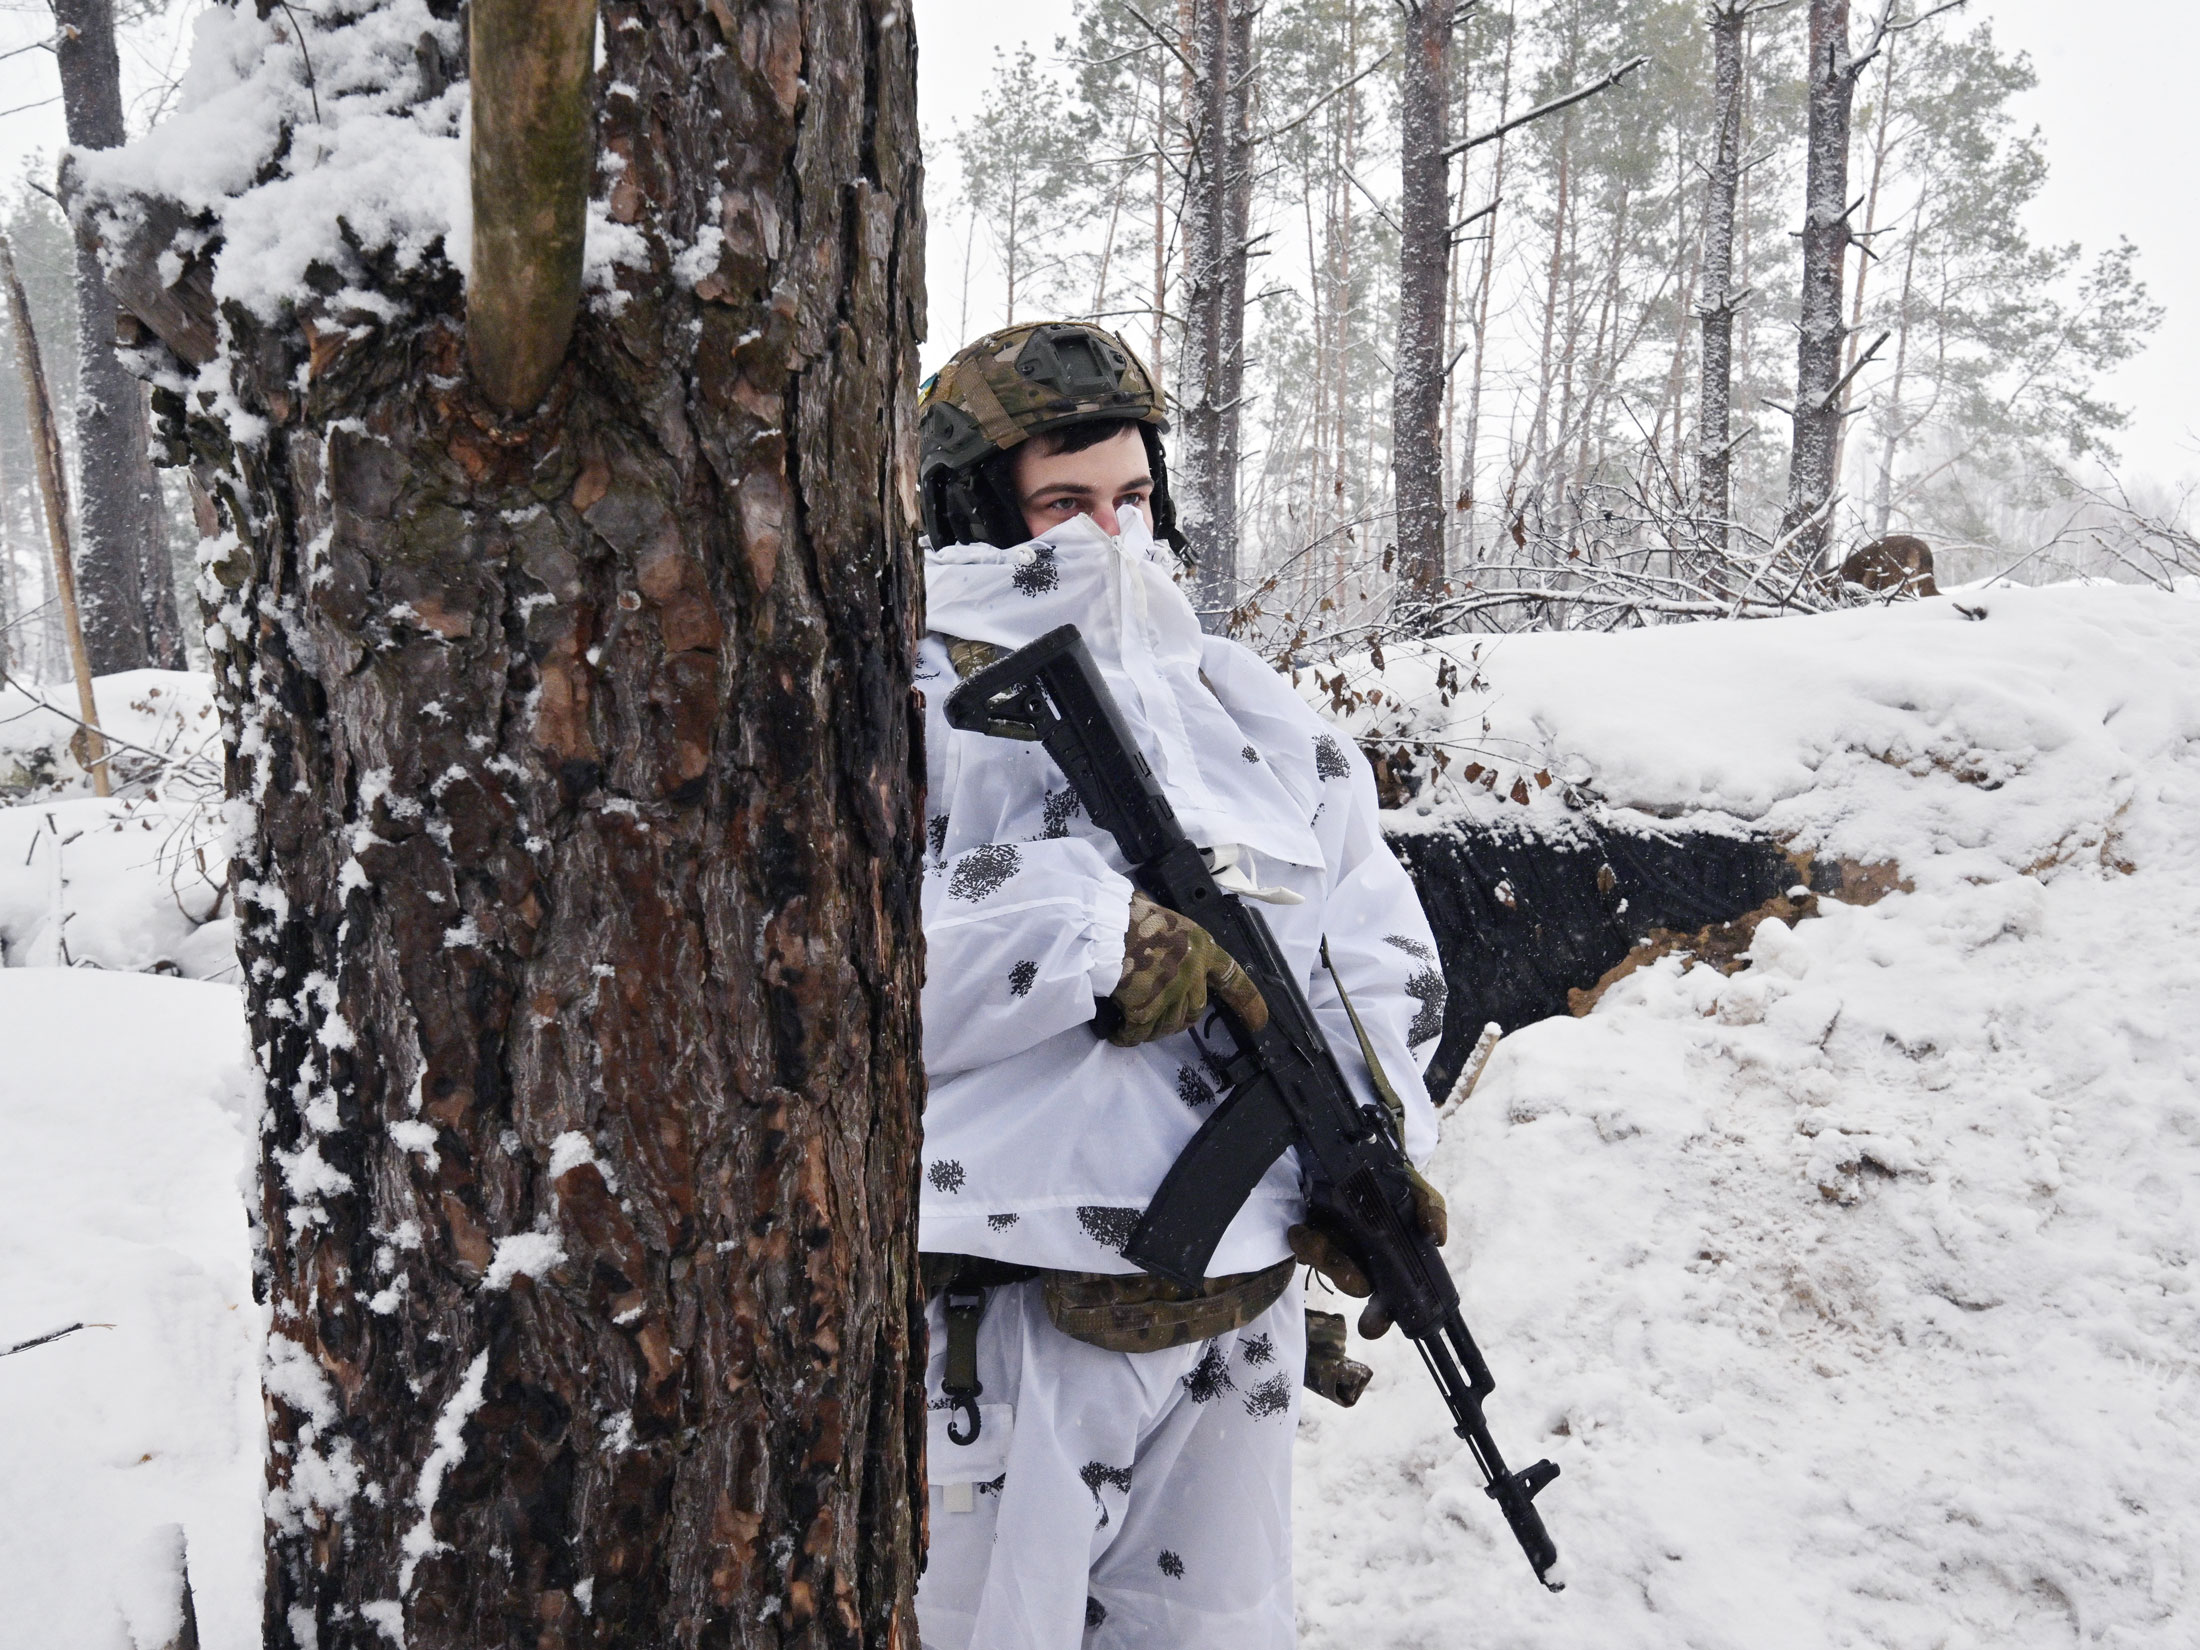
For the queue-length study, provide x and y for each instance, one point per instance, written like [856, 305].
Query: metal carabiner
[967, 1404]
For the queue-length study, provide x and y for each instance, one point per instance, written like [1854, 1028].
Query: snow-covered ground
[132, 882]
[1852, 1292]
[122, 1157]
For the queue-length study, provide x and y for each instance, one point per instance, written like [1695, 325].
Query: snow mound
[123, 1111]
[136, 882]
[1853, 1294]
[137, 886]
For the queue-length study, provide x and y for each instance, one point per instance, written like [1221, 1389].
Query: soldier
[1110, 1456]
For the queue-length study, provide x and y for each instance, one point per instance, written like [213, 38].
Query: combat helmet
[1004, 389]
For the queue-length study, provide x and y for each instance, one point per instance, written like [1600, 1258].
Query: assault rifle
[1285, 1088]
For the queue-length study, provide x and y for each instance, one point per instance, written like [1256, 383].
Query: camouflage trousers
[1114, 1499]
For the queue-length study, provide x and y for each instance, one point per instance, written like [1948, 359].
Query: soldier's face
[1100, 482]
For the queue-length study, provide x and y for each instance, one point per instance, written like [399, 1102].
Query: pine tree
[1997, 342]
[1025, 171]
[129, 594]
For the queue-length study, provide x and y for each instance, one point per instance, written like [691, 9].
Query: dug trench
[1533, 921]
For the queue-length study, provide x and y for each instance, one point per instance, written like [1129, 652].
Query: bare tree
[1820, 377]
[579, 904]
[1425, 233]
[1715, 441]
[1210, 387]
[129, 591]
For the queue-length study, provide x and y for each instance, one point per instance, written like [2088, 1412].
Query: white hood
[1146, 639]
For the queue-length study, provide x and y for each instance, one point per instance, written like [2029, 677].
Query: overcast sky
[2113, 99]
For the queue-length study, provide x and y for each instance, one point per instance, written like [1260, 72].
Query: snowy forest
[1523, 290]
[469, 851]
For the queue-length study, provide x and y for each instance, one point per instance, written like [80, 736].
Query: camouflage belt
[1137, 1313]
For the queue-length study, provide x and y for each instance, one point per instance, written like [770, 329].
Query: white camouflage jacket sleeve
[1020, 937]
[1048, 918]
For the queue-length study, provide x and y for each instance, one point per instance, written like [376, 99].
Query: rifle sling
[1396, 1106]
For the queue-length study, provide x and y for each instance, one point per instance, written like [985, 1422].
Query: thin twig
[312, 88]
[50, 1335]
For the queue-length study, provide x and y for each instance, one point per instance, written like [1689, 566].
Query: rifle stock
[1285, 1088]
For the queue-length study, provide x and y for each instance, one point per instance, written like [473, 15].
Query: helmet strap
[1164, 502]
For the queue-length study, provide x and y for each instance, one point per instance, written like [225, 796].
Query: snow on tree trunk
[1832, 94]
[122, 571]
[1217, 218]
[577, 854]
[1424, 264]
[1714, 437]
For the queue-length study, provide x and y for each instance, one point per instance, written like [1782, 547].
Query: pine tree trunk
[164, 649]
[1891, 427]
[1211, 370]
[579, 906]
[1160, 222]
[1881, 150]
[11, 604]
[53, 495]
[1341, 308]
[1826, 239]
[1470, 454]
[121, 528]
[1715, 408]
[1540, 439]
[1424, 264]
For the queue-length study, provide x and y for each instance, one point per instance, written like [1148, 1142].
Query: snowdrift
[135, 1443]
[133, 882]
[1853, 1293]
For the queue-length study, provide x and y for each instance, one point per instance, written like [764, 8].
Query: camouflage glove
[1316, 1247]
[1170, 963]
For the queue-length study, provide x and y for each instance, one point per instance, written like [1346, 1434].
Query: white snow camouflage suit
[1124, 1498]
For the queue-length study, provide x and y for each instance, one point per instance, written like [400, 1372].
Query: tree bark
[579, 904]
[1826, 240]
[1722, 186]
[1424, 267]
[53, 492]
[122, 529]
[1211, 370]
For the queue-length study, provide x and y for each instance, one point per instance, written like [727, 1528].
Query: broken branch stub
[532, 162]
